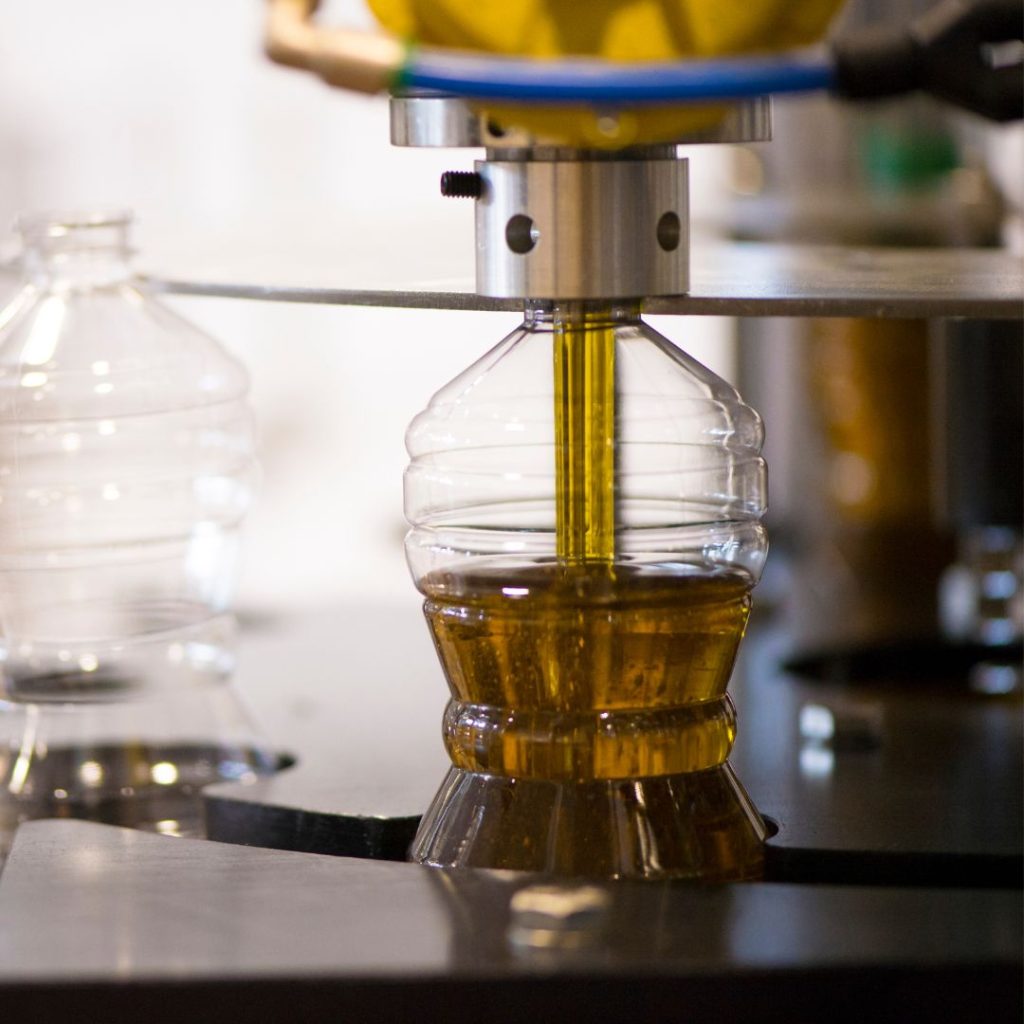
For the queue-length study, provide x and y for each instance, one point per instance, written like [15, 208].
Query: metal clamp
[582, 229]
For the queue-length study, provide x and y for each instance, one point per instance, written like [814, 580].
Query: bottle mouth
[582, 313]
[64, 230]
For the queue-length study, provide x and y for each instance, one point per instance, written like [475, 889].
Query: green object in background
[905, 159]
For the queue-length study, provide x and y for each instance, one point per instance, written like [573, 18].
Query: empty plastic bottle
[126, 466]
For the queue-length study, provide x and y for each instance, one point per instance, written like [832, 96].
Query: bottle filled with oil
[585, 503]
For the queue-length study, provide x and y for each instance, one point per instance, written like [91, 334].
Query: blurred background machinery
[895, 446]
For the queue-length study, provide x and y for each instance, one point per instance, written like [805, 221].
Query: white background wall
[244, 171]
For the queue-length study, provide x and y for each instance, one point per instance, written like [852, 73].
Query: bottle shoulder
[107, 351]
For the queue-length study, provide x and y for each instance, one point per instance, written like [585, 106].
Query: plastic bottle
[126, 465]
[586, 505]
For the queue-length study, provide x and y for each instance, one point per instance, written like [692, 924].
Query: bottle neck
[582, 312]
[76, 251]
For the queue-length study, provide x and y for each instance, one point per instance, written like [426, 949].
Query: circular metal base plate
[423, 119]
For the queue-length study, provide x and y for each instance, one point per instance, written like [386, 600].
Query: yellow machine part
[619, 30]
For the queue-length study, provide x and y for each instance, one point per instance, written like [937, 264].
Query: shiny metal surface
[726, 279]
[436, 121]
[82, 900]
[590, 228]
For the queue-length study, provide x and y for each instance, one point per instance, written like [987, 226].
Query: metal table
[112, 925]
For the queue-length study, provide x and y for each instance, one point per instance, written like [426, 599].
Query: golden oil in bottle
[584, 374]
[588, 676]
[589, 724]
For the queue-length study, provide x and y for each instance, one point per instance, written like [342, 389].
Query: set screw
[462, 184]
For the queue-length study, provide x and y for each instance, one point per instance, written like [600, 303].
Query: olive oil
[560, 674]
[589, 724]
[584, 373]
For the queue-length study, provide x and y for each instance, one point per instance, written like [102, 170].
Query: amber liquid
[559, 674]
[589, 725]
[584, 374]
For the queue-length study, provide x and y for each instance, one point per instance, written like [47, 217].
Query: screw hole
[521, 233]
[669, 231]
[494, 129]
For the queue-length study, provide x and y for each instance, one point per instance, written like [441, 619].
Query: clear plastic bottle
[585, 503]
[126, 465]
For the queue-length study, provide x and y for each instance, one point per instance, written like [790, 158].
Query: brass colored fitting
[363, 61]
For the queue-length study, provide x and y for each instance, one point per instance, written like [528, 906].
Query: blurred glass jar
[126, 465]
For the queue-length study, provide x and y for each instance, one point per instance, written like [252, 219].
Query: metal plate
[356, 789]
[933, 799]
[114, 924]
[727, 279]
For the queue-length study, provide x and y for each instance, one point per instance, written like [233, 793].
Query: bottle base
[137, 785]
[697, 825]
[139, 764]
